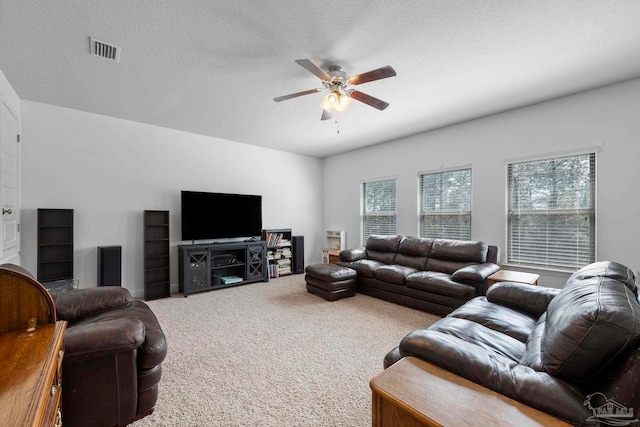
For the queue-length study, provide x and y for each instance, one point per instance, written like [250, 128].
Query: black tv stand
[210, 266]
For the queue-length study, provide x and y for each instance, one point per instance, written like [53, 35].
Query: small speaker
[297, 243]
[109, 265]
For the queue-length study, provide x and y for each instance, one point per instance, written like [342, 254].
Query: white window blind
[445, 204]
[551, 212]
[378, 208]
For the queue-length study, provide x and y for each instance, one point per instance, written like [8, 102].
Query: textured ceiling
[214, 67]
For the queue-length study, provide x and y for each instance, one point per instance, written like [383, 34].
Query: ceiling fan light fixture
[337, 82]
[331, 101]
[343, 102]
[327, 105]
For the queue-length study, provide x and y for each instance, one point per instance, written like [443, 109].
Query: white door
[8, 178]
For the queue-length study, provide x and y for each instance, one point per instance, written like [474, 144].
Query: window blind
[378, 208]
[551, 212]
[445, 204]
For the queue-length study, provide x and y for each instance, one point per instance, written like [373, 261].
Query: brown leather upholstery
[548, 348]
[330, 281]
[434, 275]
[114, 347]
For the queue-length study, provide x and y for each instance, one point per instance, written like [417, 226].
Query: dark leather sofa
[573, 353]
[114, 348]
[434, 275]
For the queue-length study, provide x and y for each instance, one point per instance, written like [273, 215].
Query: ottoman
[331, 281]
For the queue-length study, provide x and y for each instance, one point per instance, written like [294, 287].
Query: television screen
[220, 215]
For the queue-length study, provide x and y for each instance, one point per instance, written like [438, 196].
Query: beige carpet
[272, 354]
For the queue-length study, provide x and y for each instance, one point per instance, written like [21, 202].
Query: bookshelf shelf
[281, 251]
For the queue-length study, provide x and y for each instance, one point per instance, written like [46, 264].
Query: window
[551, 212]
[445, 204]
[378, 208]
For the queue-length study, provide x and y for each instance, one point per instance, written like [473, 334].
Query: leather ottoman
[331, 281]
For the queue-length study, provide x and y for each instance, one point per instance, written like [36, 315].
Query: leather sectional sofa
[573, 353]
[434, 275]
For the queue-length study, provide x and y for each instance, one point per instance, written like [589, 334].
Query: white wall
[109, 170]
[608, 117]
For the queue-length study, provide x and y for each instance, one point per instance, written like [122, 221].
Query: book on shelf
[275, 240]
[230, 279]
[284, 271]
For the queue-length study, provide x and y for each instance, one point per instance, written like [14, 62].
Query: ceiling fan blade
[377, 74]
[297, 94]
[326, 115]
[313, 69]
[369, 100]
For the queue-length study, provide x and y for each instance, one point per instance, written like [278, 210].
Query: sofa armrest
[81, 303]
[530, 299]
[349, 255]
[475, 273]
[98, 339]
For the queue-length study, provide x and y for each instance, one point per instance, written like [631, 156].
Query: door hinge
[18, 228]
[18, 138]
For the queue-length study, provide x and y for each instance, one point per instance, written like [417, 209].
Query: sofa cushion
[353, 254]
[475, 273]
[589, 322]
[81, 303]
[610, 269]
[468, 331]
[364, 267]
[531, 355]
[413, 252]
[503, 319]
[439, 283]
[330, 272]
[446, 266]
[447, 301]
[530, 299]
[382, 248]
[468, 251]
[393, 273]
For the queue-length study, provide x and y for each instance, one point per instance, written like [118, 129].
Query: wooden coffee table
[513, 276]
[414, 393]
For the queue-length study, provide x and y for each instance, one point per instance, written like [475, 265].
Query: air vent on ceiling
[105, 50]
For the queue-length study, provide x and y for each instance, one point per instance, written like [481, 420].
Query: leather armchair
[114, 348]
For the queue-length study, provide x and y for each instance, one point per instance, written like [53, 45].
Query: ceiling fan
[338, 83]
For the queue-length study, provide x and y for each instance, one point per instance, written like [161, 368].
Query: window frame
[422, 214]
[391, 213]
[591, 212]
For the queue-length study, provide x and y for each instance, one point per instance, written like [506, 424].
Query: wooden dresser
[414, 393]
[31, 352]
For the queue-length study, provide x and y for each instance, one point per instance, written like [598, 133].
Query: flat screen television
[220, 215]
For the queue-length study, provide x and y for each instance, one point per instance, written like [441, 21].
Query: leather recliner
[114, 348]
[573, 353]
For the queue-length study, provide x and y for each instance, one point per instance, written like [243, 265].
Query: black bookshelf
[280, 253]
[156, 255]
[55, 245]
